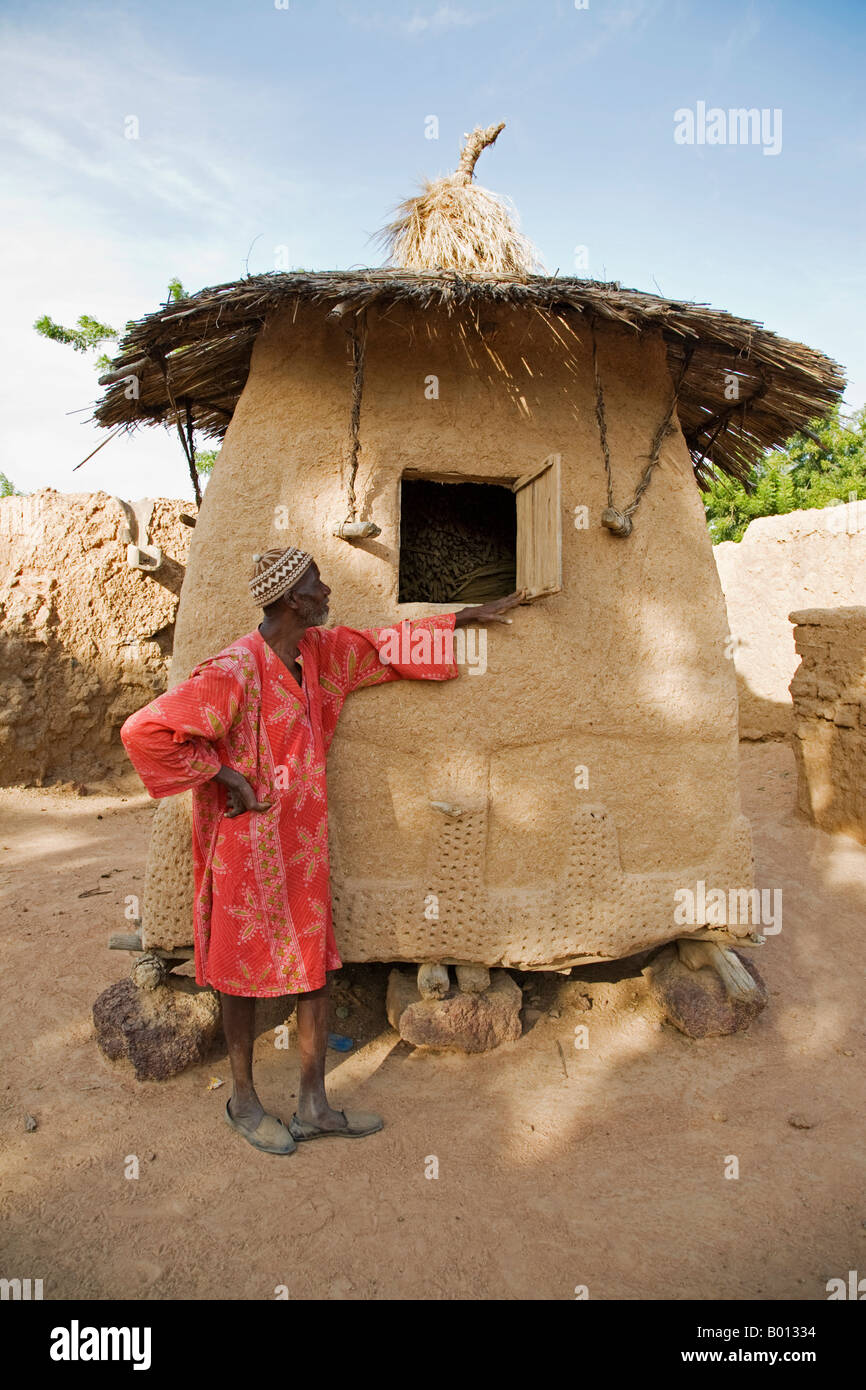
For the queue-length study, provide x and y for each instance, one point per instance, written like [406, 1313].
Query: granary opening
[458, 541]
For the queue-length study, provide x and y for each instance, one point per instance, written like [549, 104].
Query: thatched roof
[191, 358]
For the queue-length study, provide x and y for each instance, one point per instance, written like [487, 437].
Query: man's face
[310, 596]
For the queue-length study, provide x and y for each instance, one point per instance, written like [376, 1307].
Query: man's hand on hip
[241, 797]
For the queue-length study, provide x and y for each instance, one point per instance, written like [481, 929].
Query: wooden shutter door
[539, 529]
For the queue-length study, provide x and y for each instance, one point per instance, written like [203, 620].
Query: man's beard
[318, 617]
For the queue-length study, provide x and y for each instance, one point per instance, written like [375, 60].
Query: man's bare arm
[492, 612]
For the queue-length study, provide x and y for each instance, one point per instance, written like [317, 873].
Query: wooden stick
[113, 435]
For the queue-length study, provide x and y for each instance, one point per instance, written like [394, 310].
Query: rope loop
[618, 519]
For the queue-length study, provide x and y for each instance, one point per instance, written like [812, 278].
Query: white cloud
[446, 17]
[69, 122]
[98, 224]
[437, 21]
[616, 21]
[744, 32]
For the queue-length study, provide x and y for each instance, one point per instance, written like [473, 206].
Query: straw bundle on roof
[455, 224]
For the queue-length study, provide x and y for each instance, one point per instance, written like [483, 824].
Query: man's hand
[241, 797]
[492, 612]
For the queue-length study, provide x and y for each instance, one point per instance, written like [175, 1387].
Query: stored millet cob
[449, 534]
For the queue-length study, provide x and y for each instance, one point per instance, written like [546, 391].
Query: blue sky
[301, 128]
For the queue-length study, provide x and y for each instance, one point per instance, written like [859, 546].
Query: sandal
[270, 1135]
[358, 1124]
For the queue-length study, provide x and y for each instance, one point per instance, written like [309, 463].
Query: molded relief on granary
[454, 915]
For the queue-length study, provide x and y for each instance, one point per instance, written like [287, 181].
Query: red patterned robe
[262, 919]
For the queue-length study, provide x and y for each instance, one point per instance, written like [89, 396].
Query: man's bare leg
[239, 1017]
[313, 1107]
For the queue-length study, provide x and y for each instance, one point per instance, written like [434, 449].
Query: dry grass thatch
[191, 358]
[456, 248]
[455, 224]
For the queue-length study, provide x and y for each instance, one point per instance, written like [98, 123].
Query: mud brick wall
[808, 559]
[829, 695]
[84, 638]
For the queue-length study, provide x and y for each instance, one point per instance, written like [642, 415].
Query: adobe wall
[829, 704]
[84, 639]
[806, 559]
[623, 673]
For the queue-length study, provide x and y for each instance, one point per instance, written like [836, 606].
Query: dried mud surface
[558, 1167]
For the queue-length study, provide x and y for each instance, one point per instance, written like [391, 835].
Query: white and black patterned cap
[279, 576]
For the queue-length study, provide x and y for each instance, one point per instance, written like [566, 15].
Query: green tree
[205, 460]
[89, 335]
[7, 487]
[817, 467]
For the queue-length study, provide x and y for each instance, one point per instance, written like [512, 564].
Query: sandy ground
[601, 1167]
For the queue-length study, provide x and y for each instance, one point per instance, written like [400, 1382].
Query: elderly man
[249, 733]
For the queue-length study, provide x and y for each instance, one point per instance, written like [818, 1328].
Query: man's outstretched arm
[354, 658]
[492, 612]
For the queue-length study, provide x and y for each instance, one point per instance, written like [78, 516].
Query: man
[249, 733]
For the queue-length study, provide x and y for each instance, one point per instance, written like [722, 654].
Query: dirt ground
[557, 1167]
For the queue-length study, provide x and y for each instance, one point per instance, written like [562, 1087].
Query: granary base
[475, 1022]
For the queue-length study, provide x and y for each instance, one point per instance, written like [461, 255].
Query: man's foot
[269, 1134]
[247, 1110]
[352, 1124]
[321, 1117]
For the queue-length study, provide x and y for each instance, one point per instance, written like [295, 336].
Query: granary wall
[623, 673]
[829, 708]
[806, 559]
[84, 639]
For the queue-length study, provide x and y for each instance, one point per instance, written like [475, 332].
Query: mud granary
[435, 438]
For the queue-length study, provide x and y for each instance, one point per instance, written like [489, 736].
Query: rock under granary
[473, 1022]
[697, 1002]
[160, 1031]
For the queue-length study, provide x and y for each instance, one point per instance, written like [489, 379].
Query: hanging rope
[190, 455]
[359, 355]
[619, 519]
[186, 442]
[351, 529]
[600, 417]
